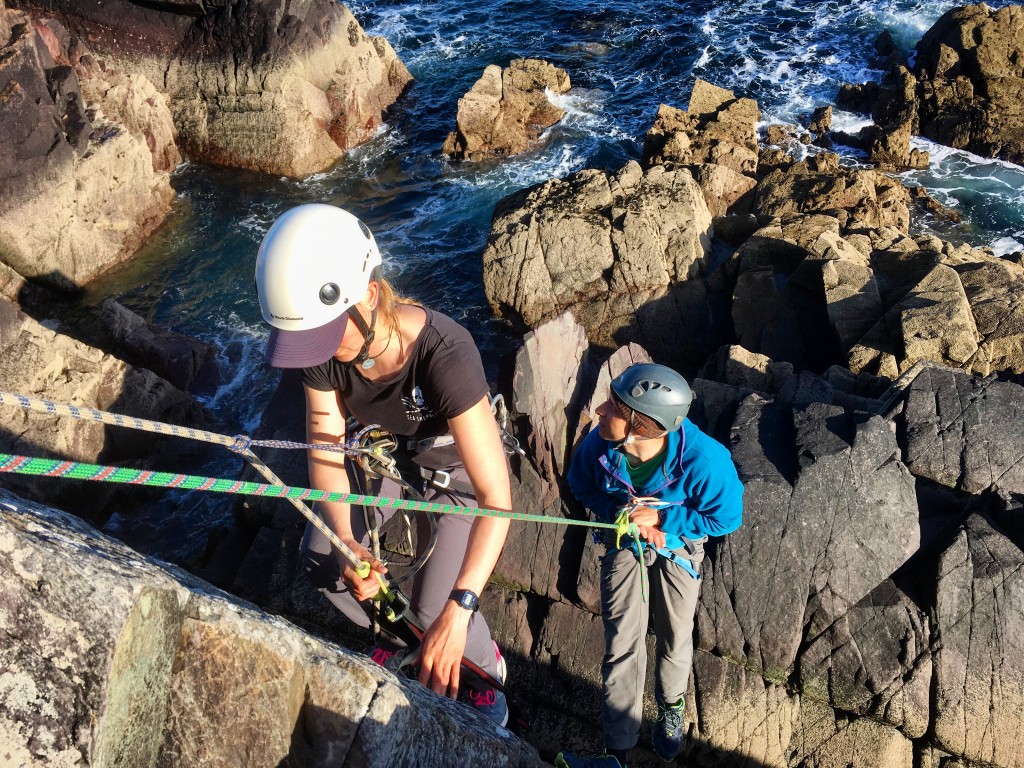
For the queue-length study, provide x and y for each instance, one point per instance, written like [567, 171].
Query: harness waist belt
[419, 446]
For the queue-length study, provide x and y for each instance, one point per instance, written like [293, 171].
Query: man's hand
[442, 649]
[647, 522]
[362, 589]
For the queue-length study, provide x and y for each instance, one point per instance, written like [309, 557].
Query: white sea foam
[250, 382]
[385, 143]
[849, 122]
[452, 48]
[525, 171]
[781, 72]
[1007, 245]
[585, 113]
[704, 58]
[942, 153]
[260, 216]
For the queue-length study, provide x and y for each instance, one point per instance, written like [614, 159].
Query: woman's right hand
[362, 588]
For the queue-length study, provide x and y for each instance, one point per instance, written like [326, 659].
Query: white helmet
[314, 263]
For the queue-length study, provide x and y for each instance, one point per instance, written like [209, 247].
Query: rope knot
[242, 444]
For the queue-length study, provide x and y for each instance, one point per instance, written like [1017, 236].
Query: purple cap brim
[304, 349]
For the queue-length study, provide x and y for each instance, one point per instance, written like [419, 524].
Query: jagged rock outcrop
[187, 363]
[268, 85]
[38, 362]
[112, 658]
[820, 185]
[814, 293]
[894, 111]
[970, 72]
[85, 178]
[716, 138]
[620, 250]
[965, 90]
[506, 110]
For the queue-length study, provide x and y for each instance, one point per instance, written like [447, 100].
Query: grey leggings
[431, 585]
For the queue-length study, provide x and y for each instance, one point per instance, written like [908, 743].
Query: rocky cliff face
[111, 658]
[98, 97]
[970, 71]
[270, 85]
[85, 178]
[868, 383]
[39, 362]
[826, 631]
[881, 457]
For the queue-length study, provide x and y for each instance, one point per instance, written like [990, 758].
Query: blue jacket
[698, 474]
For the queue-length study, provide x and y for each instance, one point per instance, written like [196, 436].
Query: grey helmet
[655, 391]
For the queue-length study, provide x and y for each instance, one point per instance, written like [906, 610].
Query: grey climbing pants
[672, 605]
[434, 581]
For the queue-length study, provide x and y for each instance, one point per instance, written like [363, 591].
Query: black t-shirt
[443, 378]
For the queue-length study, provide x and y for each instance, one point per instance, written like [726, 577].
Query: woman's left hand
[442, 649]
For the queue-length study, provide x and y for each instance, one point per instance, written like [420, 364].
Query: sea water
[431, 217]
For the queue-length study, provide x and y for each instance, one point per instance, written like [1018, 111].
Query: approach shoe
[667, 737]
[491, 702]
[392, 659]
[569, 760]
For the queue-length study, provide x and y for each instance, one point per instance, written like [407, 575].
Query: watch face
[465, 598]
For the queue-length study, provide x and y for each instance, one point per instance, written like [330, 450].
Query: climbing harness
[624, 525]
[375, 457]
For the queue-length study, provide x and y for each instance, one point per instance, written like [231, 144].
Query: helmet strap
[363, 358]
[629, 438]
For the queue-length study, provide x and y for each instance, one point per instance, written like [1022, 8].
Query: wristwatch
[466, 598]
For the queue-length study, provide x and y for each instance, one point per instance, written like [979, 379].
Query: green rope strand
[26, 465]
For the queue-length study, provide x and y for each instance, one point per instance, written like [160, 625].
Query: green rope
[26, 465]
[624, 527]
